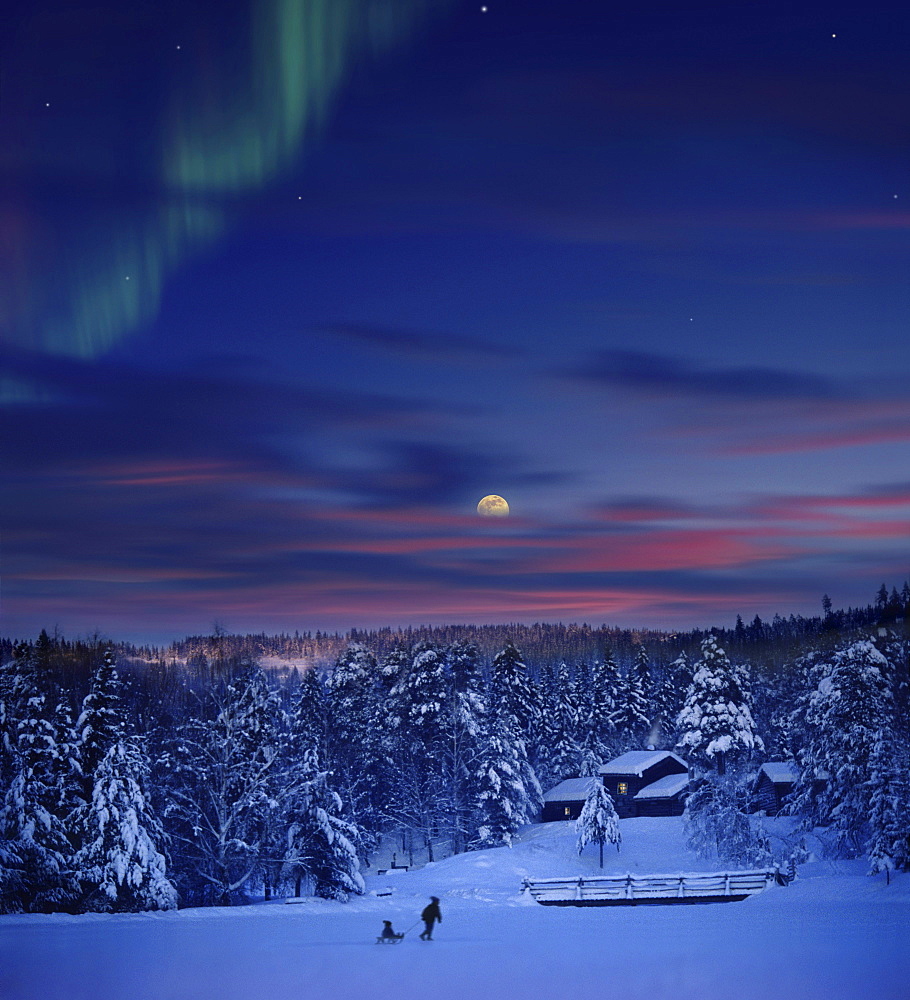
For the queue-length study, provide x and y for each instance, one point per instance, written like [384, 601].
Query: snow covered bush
[718, 824]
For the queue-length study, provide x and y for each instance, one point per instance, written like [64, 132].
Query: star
[47, 105]
[834, 36]
[483, 10]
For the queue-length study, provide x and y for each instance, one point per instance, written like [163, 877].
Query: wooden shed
[565, 800]
[627, 775]
[773, 784]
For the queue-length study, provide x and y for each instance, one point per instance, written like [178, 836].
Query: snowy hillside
[835, 934]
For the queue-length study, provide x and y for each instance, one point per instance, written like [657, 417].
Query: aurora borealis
[287, 286]
[201, 134]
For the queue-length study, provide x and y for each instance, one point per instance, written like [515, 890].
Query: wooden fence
[630, 890]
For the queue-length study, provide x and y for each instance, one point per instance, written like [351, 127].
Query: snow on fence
[630, 890]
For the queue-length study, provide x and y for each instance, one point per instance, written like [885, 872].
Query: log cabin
[628, 775]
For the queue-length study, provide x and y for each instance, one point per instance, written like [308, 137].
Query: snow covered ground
[835, 934]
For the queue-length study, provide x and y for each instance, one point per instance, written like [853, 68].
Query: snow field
[835, 934]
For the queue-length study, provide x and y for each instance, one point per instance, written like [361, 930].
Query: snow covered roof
[570, 790]
[638, 761]
[780, 771]
[664, 788]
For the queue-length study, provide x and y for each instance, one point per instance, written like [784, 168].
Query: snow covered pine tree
[504, 802]
[119, 864]
[716, 720]
[840, 722]
[598, 822]
[36, 856]
[716, 727]
[319, 842]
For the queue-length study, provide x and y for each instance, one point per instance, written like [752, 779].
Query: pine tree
[512, 695]
[590, 758]
[465, 667]
[420, 693]
[505, 802]
[463, 729]
[319, 843]
[120, 864]
[308, 714]
[561, 727]
[355, 748]
[841, 720]
[716, 720]
[889, 815]
[515, 702]
[262, 734]
[630, 718]
[38, 849]
[18, 684]
[420, 794]
[669, 696]
[641, 669]
[598, 822]
[605, 695]
[100, 724]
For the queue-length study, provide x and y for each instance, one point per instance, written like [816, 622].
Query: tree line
[203, 784]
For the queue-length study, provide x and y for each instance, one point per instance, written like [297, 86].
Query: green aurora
[84, 276]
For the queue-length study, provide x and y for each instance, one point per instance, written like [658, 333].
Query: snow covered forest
[238, 767]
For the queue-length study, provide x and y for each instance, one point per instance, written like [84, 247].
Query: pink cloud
[823, 439]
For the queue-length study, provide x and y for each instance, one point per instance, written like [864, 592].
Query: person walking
[429, 917]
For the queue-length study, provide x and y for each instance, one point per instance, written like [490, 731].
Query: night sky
[287, 286]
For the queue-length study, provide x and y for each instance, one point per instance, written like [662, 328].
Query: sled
[389, 940]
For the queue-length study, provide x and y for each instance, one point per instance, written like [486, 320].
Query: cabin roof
[667, 787]
[570, 790]
[638, 761]
[780, 772]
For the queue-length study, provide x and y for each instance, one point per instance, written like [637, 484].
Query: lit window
[568, 810]
[622, 787]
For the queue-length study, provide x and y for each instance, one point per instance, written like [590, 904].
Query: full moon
[493, 506]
